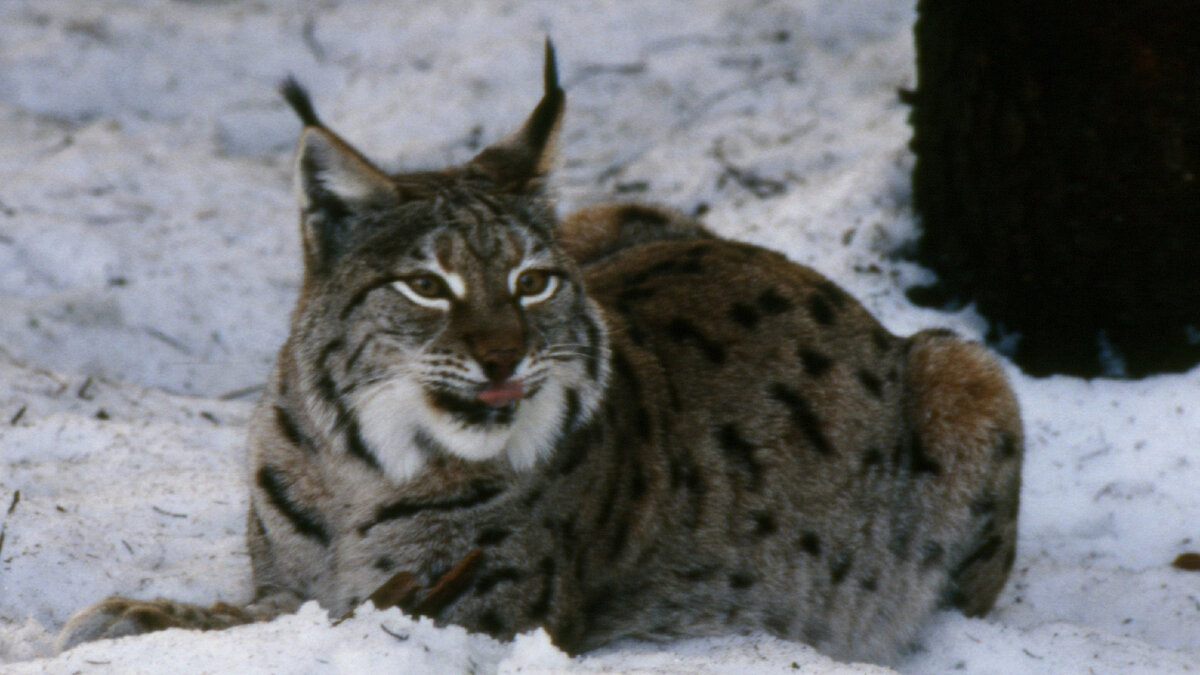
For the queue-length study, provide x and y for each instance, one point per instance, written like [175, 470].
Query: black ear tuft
[550, 71]
[334, 183]
[297, 97]
[519, 161]
[544, 121]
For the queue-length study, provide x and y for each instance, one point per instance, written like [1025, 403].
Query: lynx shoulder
[628, 426]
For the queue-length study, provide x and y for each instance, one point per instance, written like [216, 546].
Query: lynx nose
[498, 364]
[495, 339]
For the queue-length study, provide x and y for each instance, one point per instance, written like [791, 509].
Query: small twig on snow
[241, 393]
[83, 392]
[168, 513]
[399, 636]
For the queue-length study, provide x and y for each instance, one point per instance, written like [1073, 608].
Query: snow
[148, 259]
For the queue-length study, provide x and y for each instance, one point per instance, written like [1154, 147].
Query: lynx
[620, 425]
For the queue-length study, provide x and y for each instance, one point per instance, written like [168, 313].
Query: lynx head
[437, 313]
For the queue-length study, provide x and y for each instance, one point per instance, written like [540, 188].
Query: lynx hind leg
[121, 617]
[593, 233]
[967, 431]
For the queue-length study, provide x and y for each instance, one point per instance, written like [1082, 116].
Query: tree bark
[1058, 177]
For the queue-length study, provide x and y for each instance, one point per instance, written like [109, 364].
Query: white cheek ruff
[393, 413]
[387, 416]
[537, 426]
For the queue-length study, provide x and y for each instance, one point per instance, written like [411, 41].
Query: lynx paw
[404, 591]
[120, 617]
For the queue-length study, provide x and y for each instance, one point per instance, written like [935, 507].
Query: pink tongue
[501, 394]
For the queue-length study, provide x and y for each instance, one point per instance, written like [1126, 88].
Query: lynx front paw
[404, 591]
[120, 617]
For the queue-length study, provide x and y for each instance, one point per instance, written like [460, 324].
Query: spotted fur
[645, 430]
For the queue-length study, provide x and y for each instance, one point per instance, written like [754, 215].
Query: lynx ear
[520, 161]
[333, 182]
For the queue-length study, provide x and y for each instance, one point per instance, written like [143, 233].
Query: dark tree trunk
[1058, 176]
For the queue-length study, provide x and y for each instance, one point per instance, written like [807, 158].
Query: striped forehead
[469, 258]
[480, 246]
[476, 217]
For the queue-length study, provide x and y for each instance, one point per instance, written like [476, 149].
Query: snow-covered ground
[148, 259]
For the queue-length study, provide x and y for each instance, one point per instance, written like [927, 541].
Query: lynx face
[452, 321]
[475, 340]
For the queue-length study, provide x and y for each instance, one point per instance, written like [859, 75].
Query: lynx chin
[613, 425]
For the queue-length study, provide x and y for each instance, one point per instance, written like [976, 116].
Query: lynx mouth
[477, 411]
[502, 394]
[492, 405]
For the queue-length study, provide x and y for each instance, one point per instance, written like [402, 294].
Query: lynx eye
[428, 286]
[429, 289]
[532, 286]
[532, 282]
